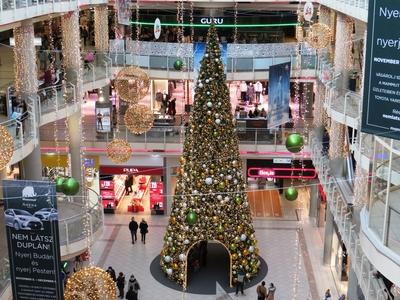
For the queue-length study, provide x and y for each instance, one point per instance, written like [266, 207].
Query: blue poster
[199, 48]
[278, 94]
[31, 220]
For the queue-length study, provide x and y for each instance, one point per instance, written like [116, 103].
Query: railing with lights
[343, 216]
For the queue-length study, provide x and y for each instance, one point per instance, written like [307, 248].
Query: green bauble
[178, 64]
[291, 194]
[60, 184]
[220, 228]
[71, 186]
[233, 247]
[238, 200]
[294, 142]
[191, 217]
[221, 185]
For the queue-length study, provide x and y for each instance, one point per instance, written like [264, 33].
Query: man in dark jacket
[121, 285]
[133, 227]
[111, 272]
[143, 230]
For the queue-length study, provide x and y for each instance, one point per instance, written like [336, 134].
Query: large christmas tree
[210, 202]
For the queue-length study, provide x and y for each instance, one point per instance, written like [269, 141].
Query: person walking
[121, 285]
[261, 291]
[133, 227]
[133, 283]
[328, 295]
[271, 292]
[143, 230]
[240, 282]
[111, 272]
[131, 294]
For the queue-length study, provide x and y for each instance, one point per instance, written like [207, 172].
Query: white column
[73, 70]
[26, 86]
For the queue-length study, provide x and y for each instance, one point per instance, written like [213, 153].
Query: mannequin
[258, 87]
[243, 90]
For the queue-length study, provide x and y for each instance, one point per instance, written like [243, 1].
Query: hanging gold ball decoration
[132, 84]
[119, 151]
[319, 36]
[91, 283]
[6, 147]
[139, 118]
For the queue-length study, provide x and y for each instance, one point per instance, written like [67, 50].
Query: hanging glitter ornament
[294, 142]
[91, 283]
[60, 184]
[319, 36]
[139, 119]
[191, 217]
[291, 194]
[132, 84]
[119, 151]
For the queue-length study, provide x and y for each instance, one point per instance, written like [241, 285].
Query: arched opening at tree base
[208, 262]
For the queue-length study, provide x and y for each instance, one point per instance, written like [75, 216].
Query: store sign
[107, 184]
[157, 28]
[284, 173]
[308, 11]
[107, 194]
[118, 170]
[31, 220]
[381, 103]
[212, 20]
[282, 160]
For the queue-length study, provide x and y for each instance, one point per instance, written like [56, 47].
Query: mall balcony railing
[372, 288]
[161, 138]
[354, 8]
[18, 10]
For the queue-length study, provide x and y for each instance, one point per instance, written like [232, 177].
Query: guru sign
[212, 20]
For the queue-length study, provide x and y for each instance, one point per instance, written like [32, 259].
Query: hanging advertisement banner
[31, 217]
[124, 12]
[381, 112]
[279, 94]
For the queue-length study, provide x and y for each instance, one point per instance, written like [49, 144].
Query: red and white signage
[106, 184]
[107, 194]
[285, 173]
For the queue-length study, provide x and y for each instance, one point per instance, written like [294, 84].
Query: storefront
[132, 189]
[262, 172]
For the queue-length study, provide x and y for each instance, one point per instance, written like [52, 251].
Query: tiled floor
[291, 248]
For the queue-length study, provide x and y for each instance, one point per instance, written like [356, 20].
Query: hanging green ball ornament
[294, 142]
[178, 64]
[238, 200]
[220, 228]
[191, 218]
[291, 194]
[60, 184]
[221, 185]
[233, 247]
[70, 187]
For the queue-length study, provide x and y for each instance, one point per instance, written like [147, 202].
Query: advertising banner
[124, 12]
[381, 101]
[278, 95]
[31, 217]
[199, 48]
[103, 119]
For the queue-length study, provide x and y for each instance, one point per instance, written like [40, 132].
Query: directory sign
[381, 100]
[31, 220]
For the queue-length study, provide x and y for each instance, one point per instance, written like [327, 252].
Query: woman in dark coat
[143, 230]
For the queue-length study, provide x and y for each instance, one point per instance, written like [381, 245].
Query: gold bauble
[245, 252]
[90, 283]
[6, 147]
[139, 118]
[234, 256]
[244, 262]
[119, 151]
[319, 36]
[132, 84]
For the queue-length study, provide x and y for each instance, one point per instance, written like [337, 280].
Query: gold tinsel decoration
[132, 84]
[90, 283]
[139, 119]
[319, 36]
[6, 147]
[119, 151]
